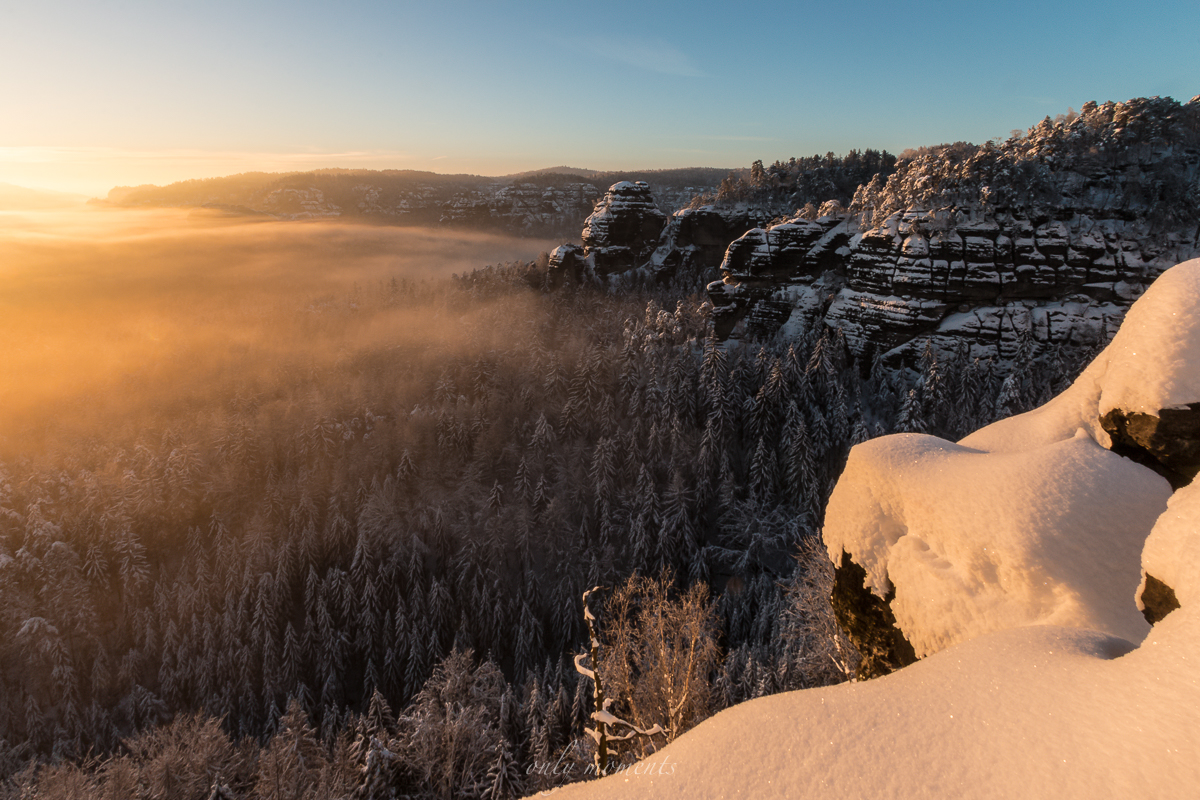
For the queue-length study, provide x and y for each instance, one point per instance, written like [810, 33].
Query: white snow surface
[1154, 360]
[1025, 713]
[1030, 521]
[1172, 552]
[976, 541]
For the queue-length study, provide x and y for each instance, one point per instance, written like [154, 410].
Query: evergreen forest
[364, 576]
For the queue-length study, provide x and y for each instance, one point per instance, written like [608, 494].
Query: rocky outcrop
[628, 232]
[767, 270]
[695, 239]
[568, 264]
[624, 228]
[1157, 600]
[868, 622]
[1040, 243]
[1168, 443]
[992, 285]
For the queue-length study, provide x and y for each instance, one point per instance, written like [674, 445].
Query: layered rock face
[767, 272]
[989, 286]
[624, 228]
[695, 239]
[1038, 243]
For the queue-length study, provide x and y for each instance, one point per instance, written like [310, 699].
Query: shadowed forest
[288, 511]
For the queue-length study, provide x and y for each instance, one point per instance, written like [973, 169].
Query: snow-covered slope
[1025, 713]
[1000, 710]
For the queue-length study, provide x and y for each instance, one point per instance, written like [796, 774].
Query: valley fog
[114, 321]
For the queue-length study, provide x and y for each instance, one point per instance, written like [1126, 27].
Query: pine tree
[504, 779]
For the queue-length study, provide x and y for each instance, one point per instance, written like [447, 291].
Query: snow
[1030, 712]
[1172, 552]
[1160, 336]
[1026, 522]
[978, 541]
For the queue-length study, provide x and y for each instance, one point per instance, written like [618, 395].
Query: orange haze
[113, 321]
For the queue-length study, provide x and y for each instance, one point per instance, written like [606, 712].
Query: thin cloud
[650, 55]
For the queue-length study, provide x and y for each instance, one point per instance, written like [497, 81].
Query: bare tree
[661, 652]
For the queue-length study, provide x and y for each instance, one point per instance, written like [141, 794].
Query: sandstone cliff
[1039, 242]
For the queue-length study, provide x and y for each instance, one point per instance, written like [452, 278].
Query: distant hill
[576, 171]
[549, 202]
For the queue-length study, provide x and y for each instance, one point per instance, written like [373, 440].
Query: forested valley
[366, 574]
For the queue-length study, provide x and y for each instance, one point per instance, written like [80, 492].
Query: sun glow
[114, 318]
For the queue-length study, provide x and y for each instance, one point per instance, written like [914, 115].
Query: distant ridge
[576, 171]
[550, 202]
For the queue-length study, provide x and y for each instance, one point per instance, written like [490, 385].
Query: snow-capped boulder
[567, 265]
[1171, 558]
[1034, 519]
[1151, 405]
[624, 229]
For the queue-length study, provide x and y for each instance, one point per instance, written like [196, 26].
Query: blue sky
[101, 93]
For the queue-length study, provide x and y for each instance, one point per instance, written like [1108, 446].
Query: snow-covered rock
[1031, 520]
[1043, 241]
[695, 239]
[567, 264]
[1171, 558]
[976, 540]
[624, 228]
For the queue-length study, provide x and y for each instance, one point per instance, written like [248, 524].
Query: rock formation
[1043, 241]
[624, 228]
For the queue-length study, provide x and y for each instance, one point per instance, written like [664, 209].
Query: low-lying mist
[115, 321]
